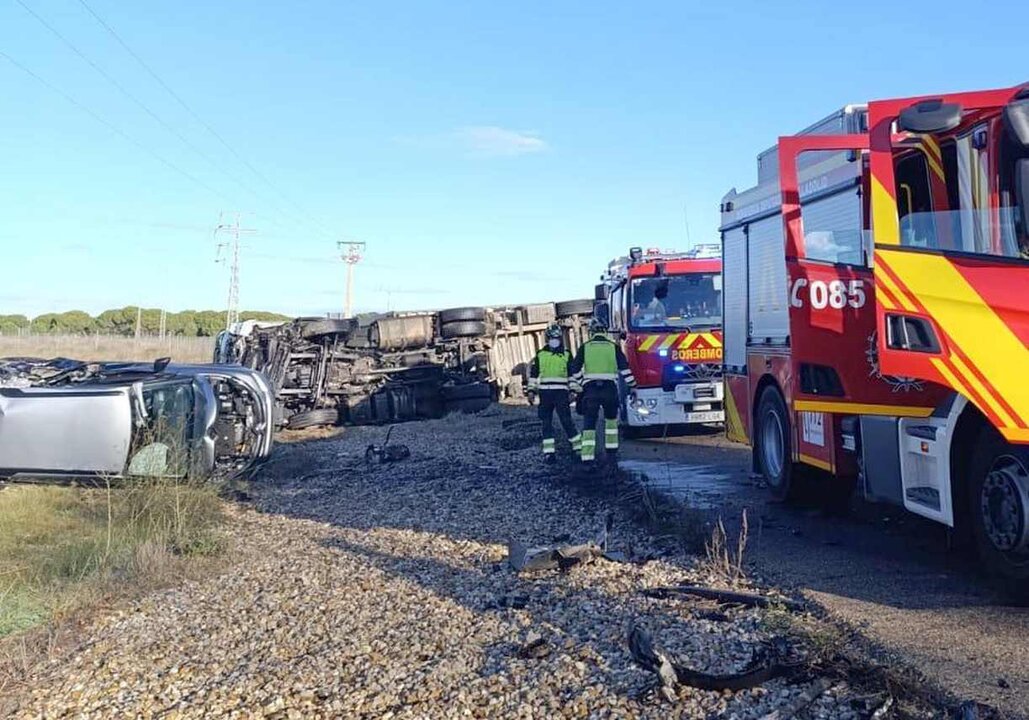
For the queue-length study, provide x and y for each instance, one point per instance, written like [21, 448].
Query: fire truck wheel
[313, 418]
[568, 308]
[464, 328]
[473, 314]
[998, 503]
[773, 443]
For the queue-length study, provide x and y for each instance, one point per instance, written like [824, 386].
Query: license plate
[705, 417]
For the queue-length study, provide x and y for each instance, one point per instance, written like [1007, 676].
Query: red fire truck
[666, 307]
[876, 315]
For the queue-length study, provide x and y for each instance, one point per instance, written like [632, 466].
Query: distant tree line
[122, 321]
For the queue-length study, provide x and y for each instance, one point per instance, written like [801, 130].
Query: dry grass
[722, 558]
[61, 548]
[108, 347]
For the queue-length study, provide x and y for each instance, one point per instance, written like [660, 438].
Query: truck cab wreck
[395, 367]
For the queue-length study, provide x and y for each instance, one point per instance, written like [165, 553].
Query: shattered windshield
[677, 301]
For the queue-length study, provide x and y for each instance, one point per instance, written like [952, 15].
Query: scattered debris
[883, 710]
[562, 557]
[508, 602]
[767, 664]
[386, 453]
[803, 700]
[727, 597]
[535, 647]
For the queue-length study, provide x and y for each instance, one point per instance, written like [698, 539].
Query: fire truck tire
[472, 314]
[568, 308]
[998, 506]
[463, 328]
[773, 443]
[313, 418]
[324, 326]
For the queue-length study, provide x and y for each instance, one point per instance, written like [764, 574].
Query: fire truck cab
[876, 316]
[665, 307]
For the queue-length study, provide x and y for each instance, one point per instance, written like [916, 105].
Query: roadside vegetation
[109, 347]
[127, 321]
[63, 548]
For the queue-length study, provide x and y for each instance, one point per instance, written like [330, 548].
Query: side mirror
[602, 312]
[930, 116]
[1016, 121]
[1022, 190]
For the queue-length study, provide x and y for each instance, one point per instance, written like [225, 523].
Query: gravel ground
[379, 591]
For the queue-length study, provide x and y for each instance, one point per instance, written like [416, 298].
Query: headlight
[652, 403]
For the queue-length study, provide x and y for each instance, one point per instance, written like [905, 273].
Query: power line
[113, 128]
[197, 117]
[136, 101]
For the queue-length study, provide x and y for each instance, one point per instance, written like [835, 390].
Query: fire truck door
[950, 305]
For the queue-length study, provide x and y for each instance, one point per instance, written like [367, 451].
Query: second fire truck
[665, 307]
[876, 314]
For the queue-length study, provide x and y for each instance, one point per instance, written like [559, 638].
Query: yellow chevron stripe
[820, 464]
[849, 408]
[668, 341]
[932, 147]
[970, 324]
[734, 429]
[651, 339]
[887, 281]
[712, 340]
[885, 224]
[935, 166]
[883, 298]
[962, 368]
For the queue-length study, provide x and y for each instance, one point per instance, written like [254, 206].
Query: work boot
[550, 458]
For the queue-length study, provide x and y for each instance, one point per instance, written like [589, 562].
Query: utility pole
[234, 231]
[351, 253]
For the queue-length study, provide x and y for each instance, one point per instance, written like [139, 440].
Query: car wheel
[324, 326]
[465, 314]
[313, 418]
[463, 328]
[998, 505]
[773, 443]
[568, 308]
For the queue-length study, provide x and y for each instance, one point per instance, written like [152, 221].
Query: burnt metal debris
[769, 662]
[394, 367]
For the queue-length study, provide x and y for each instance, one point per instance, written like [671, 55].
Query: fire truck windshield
[676, 301]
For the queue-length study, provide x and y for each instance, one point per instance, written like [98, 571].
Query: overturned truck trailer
[398, 366]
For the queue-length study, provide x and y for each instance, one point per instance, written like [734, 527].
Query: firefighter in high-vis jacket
[597, 368]
[550, 380]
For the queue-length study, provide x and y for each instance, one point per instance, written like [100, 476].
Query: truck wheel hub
[1004, 504]
[772, 443]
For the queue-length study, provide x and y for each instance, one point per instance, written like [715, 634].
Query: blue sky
[485, 152]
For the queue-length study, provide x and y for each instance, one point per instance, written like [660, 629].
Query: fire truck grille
[703, 371]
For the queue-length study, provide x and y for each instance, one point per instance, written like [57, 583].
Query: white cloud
[497, 141]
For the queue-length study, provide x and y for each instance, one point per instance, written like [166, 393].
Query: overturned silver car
[66, 418]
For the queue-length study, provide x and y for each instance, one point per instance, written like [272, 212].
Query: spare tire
[464, 328]
[476, 314]
[324, 326]
[471, 391]
[313, 418]
[569, 308]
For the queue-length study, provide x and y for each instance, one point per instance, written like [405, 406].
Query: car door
[65, 432]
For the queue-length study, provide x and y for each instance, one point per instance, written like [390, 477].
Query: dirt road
[365, 590]
[888, 573]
